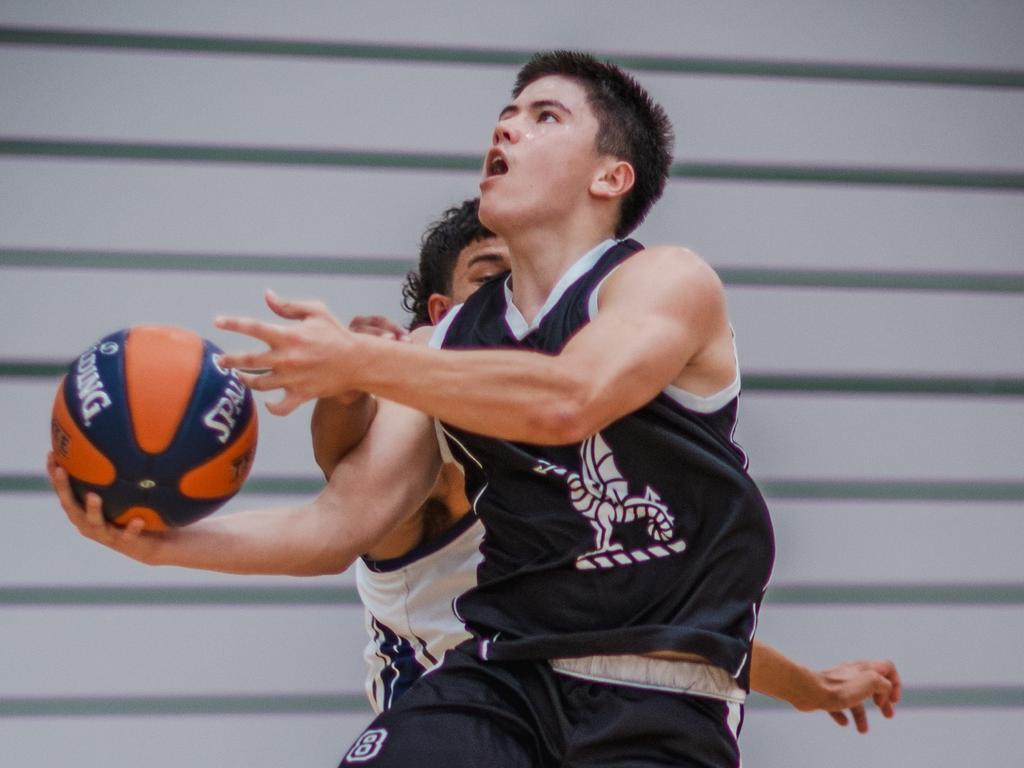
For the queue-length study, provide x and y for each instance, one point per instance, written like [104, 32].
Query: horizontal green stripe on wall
[900, 280]
[383, 266]
[214, 153]
[426, 161]
[143, 261]
[893, 490]
[150, 706]
[978, 386]
[773, 488]
[324, 595]
[913, 697]
[492, 56]
[896, 594]
[884, 385]
[178, 596]
[933, 697]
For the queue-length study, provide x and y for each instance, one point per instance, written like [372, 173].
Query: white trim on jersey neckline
[441, 329]
[436, 340]
[514, 318]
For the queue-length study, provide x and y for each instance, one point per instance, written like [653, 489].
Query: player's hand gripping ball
[147, 419]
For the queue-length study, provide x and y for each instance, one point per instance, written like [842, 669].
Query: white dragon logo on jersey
[602, 496]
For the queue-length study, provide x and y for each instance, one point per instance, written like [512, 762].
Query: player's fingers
[893, 676]
[399, 331]
[860, 718]
[883, 700]
[286, 404]
[246, 361]
[60, 483]
[52, 468]
[881, 693]
[885, 667]
[386, 327]
[886, 708]
[294, 309]
[268, 333]
[839, 717]
[94, 511]
[260, 382]
[133, 530]
[375, 326]
[381, 333]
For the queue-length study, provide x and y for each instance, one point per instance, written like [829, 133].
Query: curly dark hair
[631, 125]
[439, 252]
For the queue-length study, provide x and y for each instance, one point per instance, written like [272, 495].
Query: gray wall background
[868, 223]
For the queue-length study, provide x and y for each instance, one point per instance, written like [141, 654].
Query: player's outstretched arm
[846, 686]
[340, 422]
[659, 312]
[337, 426]
[380, 482]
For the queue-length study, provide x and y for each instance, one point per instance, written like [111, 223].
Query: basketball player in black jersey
[591, 399]
[458, 255]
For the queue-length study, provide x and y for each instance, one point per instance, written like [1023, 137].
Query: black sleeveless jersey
[647, 536]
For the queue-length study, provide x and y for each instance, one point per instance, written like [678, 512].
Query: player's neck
[541, 255]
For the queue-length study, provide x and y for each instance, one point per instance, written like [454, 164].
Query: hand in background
[849, 685]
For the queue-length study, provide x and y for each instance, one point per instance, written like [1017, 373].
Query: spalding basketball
[147, 419]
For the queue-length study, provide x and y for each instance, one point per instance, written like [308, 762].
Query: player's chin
[487, 194]
[496, 210]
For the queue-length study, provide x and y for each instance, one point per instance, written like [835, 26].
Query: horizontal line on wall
[241, 596]
[774, 488]
[148, 706]
[933, 697]
[893, 490]
[31, 369]
[850, 384]
[896, 594]
[884, 385]
[901, 280]
[280, 485]
[218, 153]
[429, 161]
[918, 697]
[79, 595]
[370, 266]
[167, 261]
[491, 56]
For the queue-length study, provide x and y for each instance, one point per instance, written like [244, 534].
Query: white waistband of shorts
[655, 674]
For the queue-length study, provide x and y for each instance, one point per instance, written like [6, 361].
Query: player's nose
[504, 133]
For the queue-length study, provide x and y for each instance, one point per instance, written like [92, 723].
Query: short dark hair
[439, 251]
[631, 125]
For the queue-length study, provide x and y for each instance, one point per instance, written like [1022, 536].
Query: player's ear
[437, 307]
[614, 179]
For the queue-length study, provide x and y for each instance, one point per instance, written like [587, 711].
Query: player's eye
[547, 116]
[483, 278]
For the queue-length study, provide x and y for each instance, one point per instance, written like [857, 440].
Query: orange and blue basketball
[147, 419]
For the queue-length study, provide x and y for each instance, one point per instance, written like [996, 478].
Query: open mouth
[496, 165]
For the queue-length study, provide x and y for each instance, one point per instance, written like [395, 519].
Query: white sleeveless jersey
[409, 612]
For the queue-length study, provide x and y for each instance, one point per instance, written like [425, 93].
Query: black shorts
[469, 713]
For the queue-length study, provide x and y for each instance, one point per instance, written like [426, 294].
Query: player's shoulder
[675, 257]
[421, 335]
[671, 265]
